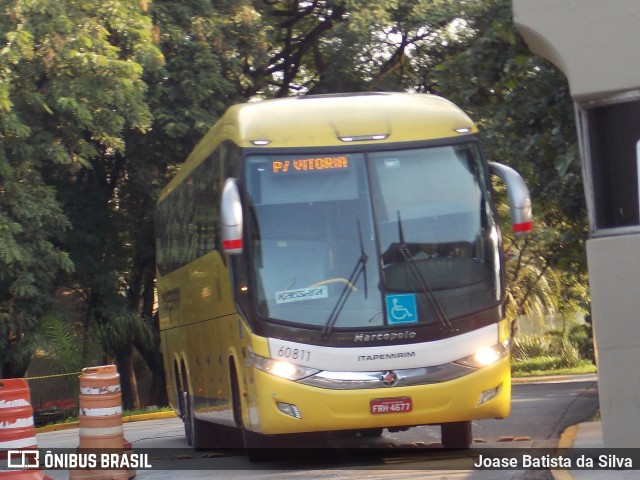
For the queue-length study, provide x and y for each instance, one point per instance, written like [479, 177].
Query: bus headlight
[281, 369]
[485, 356]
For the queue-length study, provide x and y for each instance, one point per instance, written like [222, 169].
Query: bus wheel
[202, 435]
[187, 418]
[456, 434]
[256, 446]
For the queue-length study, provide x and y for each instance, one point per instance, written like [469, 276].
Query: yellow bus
[333, 262]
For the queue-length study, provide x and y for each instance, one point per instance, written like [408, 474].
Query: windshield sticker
[310, 165]
[402, 308]
[391, 163]
[302, 294]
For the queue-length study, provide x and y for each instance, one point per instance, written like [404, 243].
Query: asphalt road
[540, 412]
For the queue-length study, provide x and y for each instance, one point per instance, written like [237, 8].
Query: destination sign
[309, 165]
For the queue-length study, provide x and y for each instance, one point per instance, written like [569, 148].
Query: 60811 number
[294, 353]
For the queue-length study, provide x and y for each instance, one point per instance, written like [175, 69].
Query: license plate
[380, 406]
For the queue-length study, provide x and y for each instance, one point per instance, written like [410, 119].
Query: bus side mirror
[231, 216]
[519, 198]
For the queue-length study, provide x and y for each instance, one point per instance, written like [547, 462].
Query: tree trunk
[128, 382]
[153, 356]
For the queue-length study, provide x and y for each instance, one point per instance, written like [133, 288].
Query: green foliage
[538, 364]
[572, 343]
[582, 337]
[568, 347]
[526, 347]
[70, 87]
[568, 352]
[56, 340]
[549, 365]
[122, 331]
[30, 222]
[525, 113]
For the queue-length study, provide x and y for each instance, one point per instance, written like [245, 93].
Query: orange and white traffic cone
[18, 444]
[101, 420]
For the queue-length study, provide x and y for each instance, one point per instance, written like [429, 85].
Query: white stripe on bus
[364, 358]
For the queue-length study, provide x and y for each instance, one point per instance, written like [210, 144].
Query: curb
[555, 378]
[568, 436]
[567, 439]
[125, 419]
[148, 416]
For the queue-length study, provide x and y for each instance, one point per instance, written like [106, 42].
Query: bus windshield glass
[360, 240]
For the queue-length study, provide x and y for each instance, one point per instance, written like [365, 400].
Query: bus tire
[256, 446]
[187, 418]
[199, 434]
[184, 401]
[456, 434]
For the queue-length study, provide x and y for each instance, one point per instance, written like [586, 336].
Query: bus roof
[332, 120]
[326, 120]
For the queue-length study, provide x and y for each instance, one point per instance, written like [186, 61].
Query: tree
[347, 46]
[70, 86]
[101, 241]
[31, 219]
[525, 112]
[468, 51]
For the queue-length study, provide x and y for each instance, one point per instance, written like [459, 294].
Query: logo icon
[402, 308]
[23, 459]
[389, 378]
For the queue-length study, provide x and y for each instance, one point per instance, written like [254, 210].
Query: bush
[538, 364]
[547, 365]
[556, 350]
[555, 337]
[529, 346]
[582, 337]
[568, 352]
[567, 344]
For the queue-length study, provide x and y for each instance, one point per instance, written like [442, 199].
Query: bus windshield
[360, 240]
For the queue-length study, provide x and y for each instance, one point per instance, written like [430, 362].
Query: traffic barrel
[18, 444]
[100, 420]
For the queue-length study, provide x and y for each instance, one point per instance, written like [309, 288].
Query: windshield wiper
[403, 248]
[359, 269]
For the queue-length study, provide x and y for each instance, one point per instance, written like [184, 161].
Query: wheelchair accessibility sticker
[402, 308]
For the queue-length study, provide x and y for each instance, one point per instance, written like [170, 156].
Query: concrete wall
[596, 44]
[614, 271]
[593, 42]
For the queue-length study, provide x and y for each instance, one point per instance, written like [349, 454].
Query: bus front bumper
[279, 406]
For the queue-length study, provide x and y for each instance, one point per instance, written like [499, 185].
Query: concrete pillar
[595, 44]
